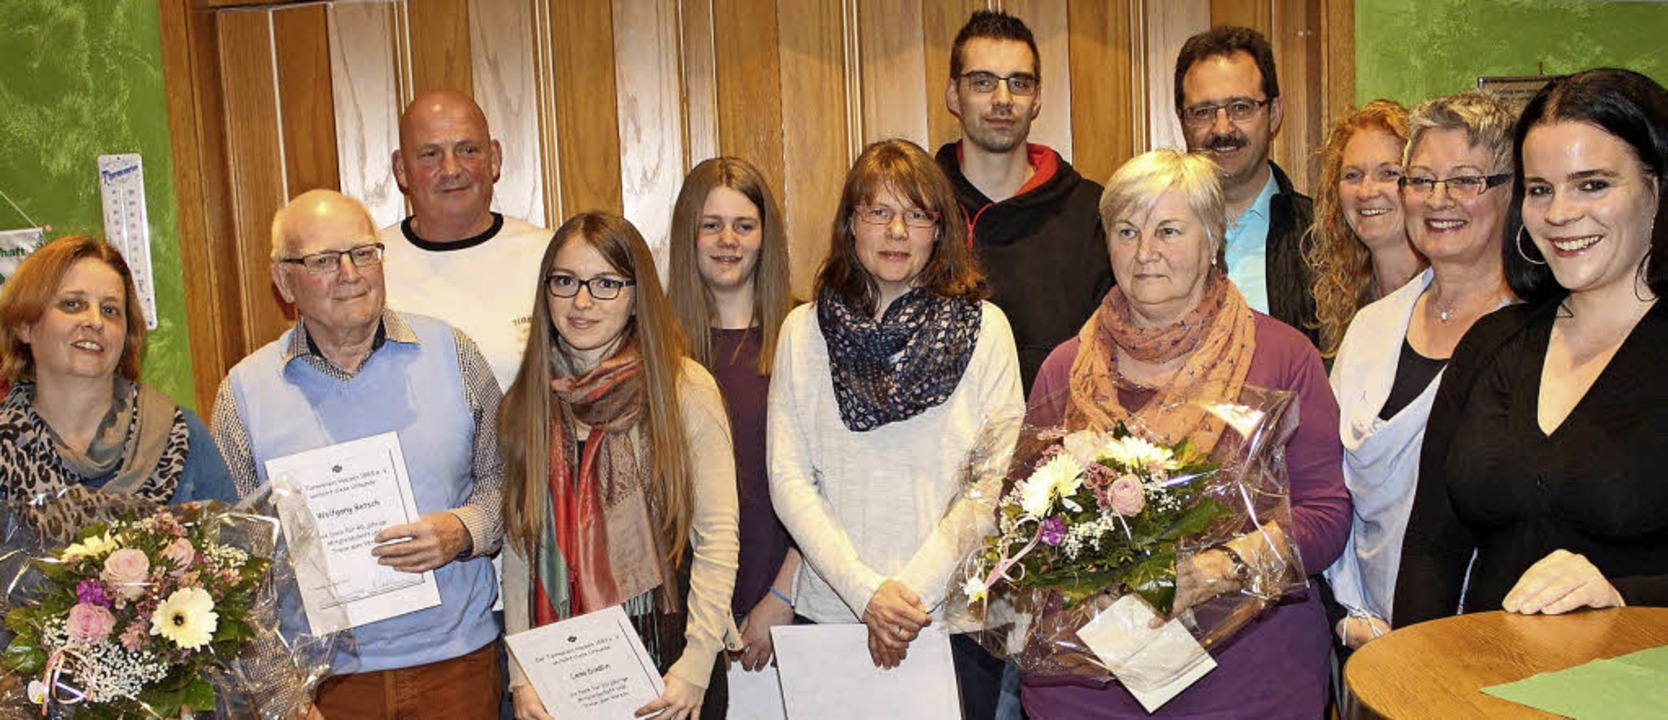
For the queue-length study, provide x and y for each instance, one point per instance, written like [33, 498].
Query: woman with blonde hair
[1359, 250]
[619, 482]
[729, 287]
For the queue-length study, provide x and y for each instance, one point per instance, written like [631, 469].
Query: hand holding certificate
[591, 667]
[347, 493]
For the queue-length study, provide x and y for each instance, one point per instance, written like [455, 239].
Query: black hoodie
[1043, 250]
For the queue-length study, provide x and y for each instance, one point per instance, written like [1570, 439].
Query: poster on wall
[16, 245]
[121, 182]
[1516, 91]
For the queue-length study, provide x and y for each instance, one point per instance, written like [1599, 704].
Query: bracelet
[1242, 571]
[780, 596]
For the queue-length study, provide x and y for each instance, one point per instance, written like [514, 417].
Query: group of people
[719, 461]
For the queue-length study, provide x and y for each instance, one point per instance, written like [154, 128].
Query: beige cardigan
[713, 533]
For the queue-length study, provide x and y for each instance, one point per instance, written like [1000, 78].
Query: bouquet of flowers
[147, 612]
[133, 612]
[1091, 520]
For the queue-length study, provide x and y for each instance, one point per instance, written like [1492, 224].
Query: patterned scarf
[140, 447]
[894, 368]
[1218, 337]
[602, 544]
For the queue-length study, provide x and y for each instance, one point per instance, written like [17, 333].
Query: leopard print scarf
[34, 474]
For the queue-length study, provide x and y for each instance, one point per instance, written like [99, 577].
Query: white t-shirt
[484, 286]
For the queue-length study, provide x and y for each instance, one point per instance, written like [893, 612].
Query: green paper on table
[1631, 686]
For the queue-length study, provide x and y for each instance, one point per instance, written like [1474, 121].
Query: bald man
[455, 258]
[350, 368]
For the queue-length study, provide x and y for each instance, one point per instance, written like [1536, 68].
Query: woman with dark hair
[1360, 251]
[619, 482]
[729, 287]
[1545, 448]
[881, 390]
[75, 417]
[1392, 357]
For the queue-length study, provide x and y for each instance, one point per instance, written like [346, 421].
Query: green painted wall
[78, 79]
[1410, 50]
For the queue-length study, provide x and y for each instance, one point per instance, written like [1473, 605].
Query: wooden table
[1435, 669]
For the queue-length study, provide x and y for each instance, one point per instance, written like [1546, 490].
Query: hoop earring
[1518, 241]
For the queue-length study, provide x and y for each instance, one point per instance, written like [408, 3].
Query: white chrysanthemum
[1086, 446]
[187, 618]
[93, 547]
[975, 589]
[1058, 477]
[1137, 453]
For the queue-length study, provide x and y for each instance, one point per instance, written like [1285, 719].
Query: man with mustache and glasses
[454, 258]
[1033, 220]
[1228, 101]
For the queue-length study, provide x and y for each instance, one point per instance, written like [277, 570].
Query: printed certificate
[827, 674]
[332, 502]
[592, 667]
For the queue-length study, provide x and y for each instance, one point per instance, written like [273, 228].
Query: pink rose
[127, 571]
[90, 623]
[1126, 495]
[180, 552]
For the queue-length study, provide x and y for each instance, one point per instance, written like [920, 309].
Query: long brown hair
[525, 416]
[691, 298]
[30, 290]
[905, 169]
[1343, 265]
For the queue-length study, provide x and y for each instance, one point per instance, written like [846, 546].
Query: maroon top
[764, 541]
[1277, 666]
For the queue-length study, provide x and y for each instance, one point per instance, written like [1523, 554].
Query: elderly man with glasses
[1228, 101]
[350, 369]
[1033, 221]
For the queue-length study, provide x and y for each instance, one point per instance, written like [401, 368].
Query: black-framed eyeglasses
[1019, 84]
[600, 288]
[1239, 110]
[882, 215]
[330, 261]
[1459, 186]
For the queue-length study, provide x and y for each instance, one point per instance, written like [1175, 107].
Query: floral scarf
[895, 368]
[602, 544]
[1218, 337]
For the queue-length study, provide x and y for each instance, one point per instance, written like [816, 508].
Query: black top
[1043, 252]
[1414, 373]
[764, 540]
[1491, 482]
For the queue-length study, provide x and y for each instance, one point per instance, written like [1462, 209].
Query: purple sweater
[1277, 666]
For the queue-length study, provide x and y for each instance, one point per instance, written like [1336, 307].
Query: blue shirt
[1247, 248]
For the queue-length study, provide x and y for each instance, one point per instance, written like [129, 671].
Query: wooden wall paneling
[1169, 23]
[890, 73]
[501, 49]
[305, 103]
[814, 48]
[1048, 20]
[197, 147]
[436, 44]
[1255, 14]
[1108, 111]
[751, 114]
[365, 88]
[1297, 57]
[650, 116]
[544, 98]
[700, 81]
[255, 156]
[940, 21]
[1337, 36]
[581, 81]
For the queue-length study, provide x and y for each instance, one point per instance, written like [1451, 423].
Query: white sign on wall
[16, 245]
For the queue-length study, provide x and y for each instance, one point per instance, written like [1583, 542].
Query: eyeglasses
[1019, 84]
[601, 288]
[882, 215]
[1239, 110]
[330, 261]
[1463, 187]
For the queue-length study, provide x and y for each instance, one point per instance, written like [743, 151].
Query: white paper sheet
[592, 667]
[827, 674]
[1154, 664]
[755, 694]
[353, 491]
